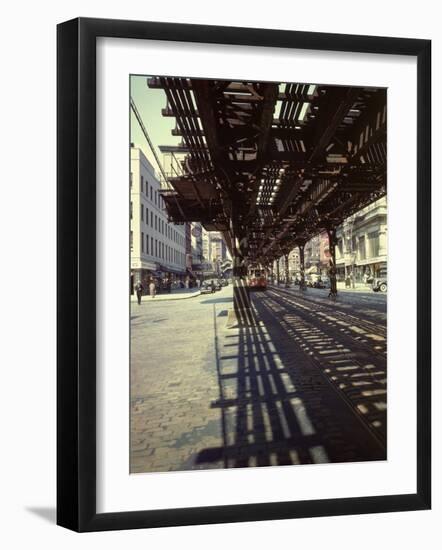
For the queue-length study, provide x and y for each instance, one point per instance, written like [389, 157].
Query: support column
[301, 246]
[331, 232]
[277, 271]
[241, 299]
[286, 265]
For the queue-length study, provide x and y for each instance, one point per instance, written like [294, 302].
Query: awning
[166, 269]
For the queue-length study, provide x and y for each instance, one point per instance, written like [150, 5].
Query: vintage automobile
[379, 283]
[207, 287]
[218, 284]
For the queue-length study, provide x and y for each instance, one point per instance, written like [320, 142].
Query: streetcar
[257, 280]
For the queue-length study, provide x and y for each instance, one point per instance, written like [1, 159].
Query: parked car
[224, 282]
[319, 283]
[217, 283]
[207, 287]
[379, 283]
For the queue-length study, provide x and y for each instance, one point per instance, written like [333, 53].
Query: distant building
[157, 247]
[196, 232]
[214, 249]
[312, 255]
[196, 250]
[294, 263]
[361, 247]
[362, 242]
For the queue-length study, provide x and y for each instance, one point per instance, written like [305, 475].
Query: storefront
[144, 275]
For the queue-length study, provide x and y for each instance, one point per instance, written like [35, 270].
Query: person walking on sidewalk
[152, 289]
[139, 290]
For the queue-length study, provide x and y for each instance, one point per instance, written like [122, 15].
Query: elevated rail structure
[270, 165]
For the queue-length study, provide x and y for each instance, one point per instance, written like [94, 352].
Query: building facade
[157, 247]
[214, 249]
[361, 250]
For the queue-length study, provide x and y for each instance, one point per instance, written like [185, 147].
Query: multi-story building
[214, 248]
[196, 232]
[157, 247]
[294, 263]
[361, 249]
[195, 257]
[218, 250]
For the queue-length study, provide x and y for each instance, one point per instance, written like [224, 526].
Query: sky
[149, 103]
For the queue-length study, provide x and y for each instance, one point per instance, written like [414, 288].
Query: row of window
[159, 249]
[358, 245]
[158, 224]
[149, 191]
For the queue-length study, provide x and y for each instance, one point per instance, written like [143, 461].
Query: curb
[147, 298]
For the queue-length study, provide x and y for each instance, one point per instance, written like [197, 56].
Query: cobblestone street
[307, 384]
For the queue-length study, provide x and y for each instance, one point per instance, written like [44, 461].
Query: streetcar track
[362, 385]
[360, 330]
[320, 302]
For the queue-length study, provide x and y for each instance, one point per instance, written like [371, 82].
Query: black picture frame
[76, 273]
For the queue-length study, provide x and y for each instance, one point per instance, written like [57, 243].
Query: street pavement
[306, 384]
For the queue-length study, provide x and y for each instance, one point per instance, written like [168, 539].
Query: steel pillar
[301, 264]
[241, 298]
[286, 265]
[331, 233]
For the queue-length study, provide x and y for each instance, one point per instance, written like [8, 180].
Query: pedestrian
[152, 289]
[168, 285]
[139, 290]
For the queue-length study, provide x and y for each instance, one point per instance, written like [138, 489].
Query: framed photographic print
[243, 274]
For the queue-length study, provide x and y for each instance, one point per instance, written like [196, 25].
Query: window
[147, 189]
[373, 244]
[361, 248]
[340, 247]
[142, 184]
[151, 191]
[156, 198]
[156, 222]
[131, 241]
[142, 212]
[142, 242]
[156, 248]
[131, 209]
[151, 246]
[151, 220]
[147, 244]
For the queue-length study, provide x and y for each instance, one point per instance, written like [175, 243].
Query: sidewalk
[359, 287]
[177, 294]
